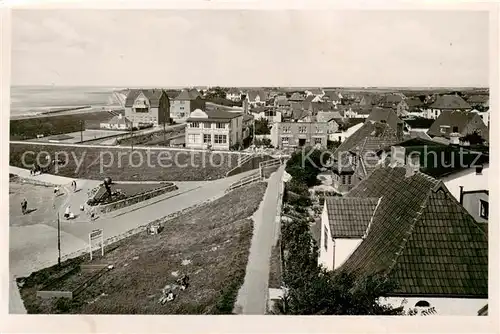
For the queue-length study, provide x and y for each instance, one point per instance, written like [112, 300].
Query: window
[422, 303]
[455, 129]
[207, 125]
[220, 126]
[444, 128]
[181, 108]
[285, 140]
[349, 179]
[220, 139]
[344, 179]
[302, 129]
[286, 129]
[317, 141]
[194, 124]
[325, 241]
[207, 139]
[319, 129]
[484, 208]
[194, 139]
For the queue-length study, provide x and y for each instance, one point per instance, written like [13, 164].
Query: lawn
[128, 190]
[29, 128]
[210, 243]
[123, 164]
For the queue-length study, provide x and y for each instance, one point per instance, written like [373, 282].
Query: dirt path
[252, 297]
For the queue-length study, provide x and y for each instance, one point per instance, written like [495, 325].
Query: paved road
[34, 246]
[252, 297]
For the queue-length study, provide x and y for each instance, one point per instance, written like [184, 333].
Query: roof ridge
[371, 218]
[408, 234]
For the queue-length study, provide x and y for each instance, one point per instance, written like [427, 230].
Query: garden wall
[135, 199]
[251, 164]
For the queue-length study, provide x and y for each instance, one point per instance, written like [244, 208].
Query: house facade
[144, 107]
[234, 95]
[271, 114]
[405, 225]
[299, 134]
[446, 103]
[218, 130]
[476, 202]
[118, 122]
[459, 122]
[256, 98]
[185, 103]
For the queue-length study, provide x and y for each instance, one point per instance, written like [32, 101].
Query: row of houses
[412, 209]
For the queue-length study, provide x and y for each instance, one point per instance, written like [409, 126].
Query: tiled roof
[332, 95]
[384, 115]
[153, 95]
[450, 102]
[186, 95]
[439, 160]
[414, 102]
[421, 237]
[392, 99]
[326, 116]
[349, 217]
[371, 137]
[463, 120]
[322, 106]
[478, 99]
[194, 92]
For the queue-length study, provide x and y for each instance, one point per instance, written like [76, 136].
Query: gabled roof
[350, 217]
[322, 106]
[153, 95]
[478, 99]
[234, 91]
[252, 95]
[194, 92]
[296, 97]
[451, 118]
[452, 102]
[365, 142]
[420, 237]
[384, 115]
[187, 95]
[392, 99]
[326, 116]
[414, 102]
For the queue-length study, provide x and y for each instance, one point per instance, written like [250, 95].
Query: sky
[126, 48]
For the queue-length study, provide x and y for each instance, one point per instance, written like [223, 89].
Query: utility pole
[81, 131]
[58, 240]
[164, 135]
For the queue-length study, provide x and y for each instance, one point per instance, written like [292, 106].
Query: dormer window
[483, 209]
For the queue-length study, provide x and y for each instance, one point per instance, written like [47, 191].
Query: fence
[244, 181]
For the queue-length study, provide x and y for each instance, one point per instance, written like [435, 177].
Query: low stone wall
[251, 164]
[35, 182]
[135, 199]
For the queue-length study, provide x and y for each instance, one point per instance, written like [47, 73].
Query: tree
[304, 165]
[474, 138]
[262, 127]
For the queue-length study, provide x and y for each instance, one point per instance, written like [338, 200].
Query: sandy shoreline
[64, 111]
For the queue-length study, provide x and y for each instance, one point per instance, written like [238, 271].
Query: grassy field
[125, 165]
[209, 243]
[22, 129]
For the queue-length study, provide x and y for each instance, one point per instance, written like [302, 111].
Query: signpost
[95, 235]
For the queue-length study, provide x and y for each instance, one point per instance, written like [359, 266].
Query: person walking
[24, 206]
[73, 184]
[67, 212]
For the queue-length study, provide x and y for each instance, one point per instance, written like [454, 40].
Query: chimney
[397, 156]
[412, 164]
[461, 194]
[454, 138]
[400, 130]
[120, 116]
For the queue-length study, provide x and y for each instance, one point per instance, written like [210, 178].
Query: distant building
[234, 95]
[406, 226]
[144, 107]
[118, 122]
[257, 98]
[459, 122]
[446, 103]
[297, 97]
[300, 134]
[385, 115]
[397, 102]
[218, 130]
[269, 113]
[186, 102]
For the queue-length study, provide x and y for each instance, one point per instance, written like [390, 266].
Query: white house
[218, 130]
[343, 135]
[234, 94]
[485, 115]
[406, 226]
[468, 178]
[118, 122]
